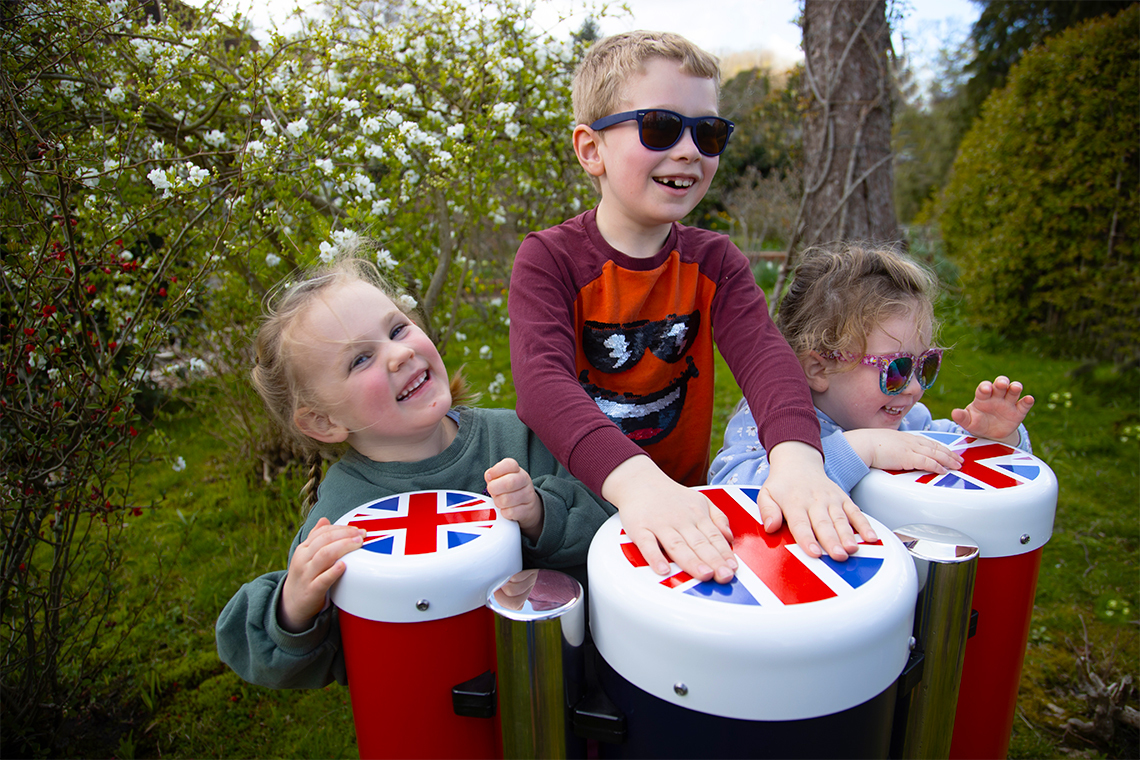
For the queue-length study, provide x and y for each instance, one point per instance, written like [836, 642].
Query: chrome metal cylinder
[947, 563]
[540, 627]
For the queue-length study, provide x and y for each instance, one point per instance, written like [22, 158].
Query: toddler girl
[861, 322]
[341, 365]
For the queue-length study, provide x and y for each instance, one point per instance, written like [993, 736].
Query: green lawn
[219, 525]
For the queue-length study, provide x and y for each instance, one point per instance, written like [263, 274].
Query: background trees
[1043, 205]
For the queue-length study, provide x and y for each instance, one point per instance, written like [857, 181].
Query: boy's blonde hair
[600, 79]
[840, 294]
[275, 373]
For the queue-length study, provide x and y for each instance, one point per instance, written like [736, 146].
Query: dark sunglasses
[661, 130]
[896, 370]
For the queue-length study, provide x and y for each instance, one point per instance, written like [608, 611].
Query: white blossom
[350, 106]
[325, 165]
[270, 127]
[179, 465]
[160, 181]
[374, 151]
[455, 131]
[485, 352]
[272, 259]
[370, 125]
[512, 129]
[256, 147]
[197, 175]
[116, 94]
[215, 137]
[384, 259]
[298, 127]
[328, 253]
[503, 111]
[406, 302]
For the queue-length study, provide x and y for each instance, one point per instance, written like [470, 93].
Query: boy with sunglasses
[861, 321]
[613, 314]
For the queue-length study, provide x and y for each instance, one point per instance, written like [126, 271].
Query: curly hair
[840, 294]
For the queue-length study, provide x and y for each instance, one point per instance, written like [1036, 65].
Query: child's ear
[586, 142]
[319, 426]
[815, 370]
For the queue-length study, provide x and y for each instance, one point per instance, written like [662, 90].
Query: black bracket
[596, 717]
[477, 698]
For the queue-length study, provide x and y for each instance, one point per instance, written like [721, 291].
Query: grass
[220, 525]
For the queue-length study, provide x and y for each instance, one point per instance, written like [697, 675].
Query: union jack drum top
[790, 637]
[427, 555]
[1002, 498]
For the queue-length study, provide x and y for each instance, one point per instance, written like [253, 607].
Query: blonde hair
[600, 79]
[840, 294]
[275, 372]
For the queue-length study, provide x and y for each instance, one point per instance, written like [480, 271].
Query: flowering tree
[160, 172]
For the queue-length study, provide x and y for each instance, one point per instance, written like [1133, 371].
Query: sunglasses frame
[687, 122]
[883, 363]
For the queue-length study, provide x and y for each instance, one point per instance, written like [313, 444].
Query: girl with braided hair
[344, 369]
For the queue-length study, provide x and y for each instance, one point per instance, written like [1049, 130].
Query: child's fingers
[859, 521]
[501, 468]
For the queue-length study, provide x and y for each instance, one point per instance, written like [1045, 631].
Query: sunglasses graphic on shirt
[614, 348]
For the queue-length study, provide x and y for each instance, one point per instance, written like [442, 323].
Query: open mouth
[894, 411]
[413, 387]
[644, 419]
[678, 183]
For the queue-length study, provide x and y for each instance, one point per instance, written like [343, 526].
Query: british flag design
[423, 522]
[988, 465]
[773, 570]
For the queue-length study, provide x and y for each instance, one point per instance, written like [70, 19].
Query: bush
[1043, 204]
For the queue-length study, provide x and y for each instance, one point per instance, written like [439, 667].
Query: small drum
[1005, 500]
[414, 622]
[795, 657]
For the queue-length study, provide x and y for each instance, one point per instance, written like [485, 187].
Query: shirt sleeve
[251, 642]
[551, 401]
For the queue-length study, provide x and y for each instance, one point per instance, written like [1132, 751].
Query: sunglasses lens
[897, 375]
[660, 129]
[711, 136]
[928, 372]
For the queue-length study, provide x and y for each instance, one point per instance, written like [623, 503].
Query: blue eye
[397, 331]
[358, 360]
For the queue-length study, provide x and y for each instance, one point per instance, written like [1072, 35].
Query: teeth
[678, 183]
[892, 410]
[412, 389]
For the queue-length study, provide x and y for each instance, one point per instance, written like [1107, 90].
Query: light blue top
[743, 461]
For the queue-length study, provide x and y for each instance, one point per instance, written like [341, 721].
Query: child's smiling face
[853, 397]
[641, 188]
[376, 378]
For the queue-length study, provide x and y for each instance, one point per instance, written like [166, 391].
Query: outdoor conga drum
[796, 657]
[1005, 500]
[418, 639]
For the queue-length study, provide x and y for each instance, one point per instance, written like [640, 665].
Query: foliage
[1005, 31]
[1043, 207]
[161, 172]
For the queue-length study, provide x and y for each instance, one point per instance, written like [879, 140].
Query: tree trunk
[847, 129]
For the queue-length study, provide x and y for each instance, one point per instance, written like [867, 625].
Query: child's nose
[687, 145]
[398, 354]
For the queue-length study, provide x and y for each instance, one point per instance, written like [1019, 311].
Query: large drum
[796, 657]
[418, 639]
[1005, 500]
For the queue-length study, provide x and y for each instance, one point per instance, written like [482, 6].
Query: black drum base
[659, 729]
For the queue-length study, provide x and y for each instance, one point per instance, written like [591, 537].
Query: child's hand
[513, 491]
[996, 410]
[658, 514]
[895, 450]
[798, 491]
[315, 567]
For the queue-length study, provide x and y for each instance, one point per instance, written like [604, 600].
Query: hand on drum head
[313, 569]
[818, 512]
[668, 521]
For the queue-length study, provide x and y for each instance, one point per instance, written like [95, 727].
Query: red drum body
[796, 657]
[414, 624]
[1005, 500]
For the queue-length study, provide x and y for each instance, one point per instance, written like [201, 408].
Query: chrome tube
[947, 563]
[540, 626]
